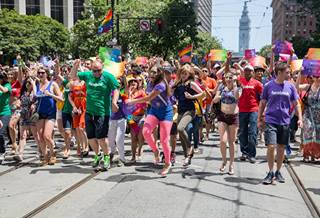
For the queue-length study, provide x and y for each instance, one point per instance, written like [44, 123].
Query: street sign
[144, 25]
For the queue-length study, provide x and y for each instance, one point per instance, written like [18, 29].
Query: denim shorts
[51, 116]
[66, 120]
[97, 127]
[277, 134]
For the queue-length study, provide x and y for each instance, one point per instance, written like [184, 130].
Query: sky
[225, 22]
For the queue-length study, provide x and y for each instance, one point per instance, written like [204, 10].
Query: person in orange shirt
[78, 100]
[209, 84]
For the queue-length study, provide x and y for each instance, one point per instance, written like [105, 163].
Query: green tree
[205, 43]
[266, 51]
[31, 36]
[177, 16]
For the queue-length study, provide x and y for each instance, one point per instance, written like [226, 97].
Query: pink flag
[249, 53]
[311, 67]
[284, 47]
[285, 57]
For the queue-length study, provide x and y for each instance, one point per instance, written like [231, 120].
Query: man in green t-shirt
[99, 84]
[5, 112]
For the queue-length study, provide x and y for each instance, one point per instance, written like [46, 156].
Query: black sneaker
[252, 160]
[243, 157]
[279, 177]
[268, 179]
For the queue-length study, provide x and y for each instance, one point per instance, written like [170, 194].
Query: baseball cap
[248, 67]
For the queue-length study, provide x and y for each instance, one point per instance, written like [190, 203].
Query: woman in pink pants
[160, 112]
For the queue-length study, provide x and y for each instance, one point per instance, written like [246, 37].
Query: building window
[32, 7]
[78, 8]
[9, 4]
[57, 10]
[299, 23]
[311, 23]
[310, 31]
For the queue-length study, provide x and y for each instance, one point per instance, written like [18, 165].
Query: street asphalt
[138, 190]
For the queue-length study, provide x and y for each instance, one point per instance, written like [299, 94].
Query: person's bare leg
[270, 156]
[94, 145]
[280, 156]
[223, 144]
[231, 140]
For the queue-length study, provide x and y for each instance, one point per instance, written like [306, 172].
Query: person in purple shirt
[277, 97]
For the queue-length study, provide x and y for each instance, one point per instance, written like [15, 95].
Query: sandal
[231, 170]
[165, 170]
[223, 167]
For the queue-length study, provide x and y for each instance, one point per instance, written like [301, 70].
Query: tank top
[227, 97]
[46, 104]
[79, 95]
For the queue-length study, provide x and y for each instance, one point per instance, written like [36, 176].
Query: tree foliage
[266, 51]
[206, 42]
[179, 27]
[31, 36]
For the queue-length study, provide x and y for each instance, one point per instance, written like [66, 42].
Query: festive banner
[296, 65]
[249, 53]
[258, 61]
[314, 54]
[285, 57]
[218, 55]
[142, 61]
[107, 23]
[185, 59]
[311, 67]
[284, 47]
[186, 51]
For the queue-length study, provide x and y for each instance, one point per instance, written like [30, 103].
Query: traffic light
[159, 25]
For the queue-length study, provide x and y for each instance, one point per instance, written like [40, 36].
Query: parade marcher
[277, 97]
[27, 99]
[78, 101]
[117, 127]
[5, 112]
[47, 93]
[186, 92]
[99, 85]
[228, 118]
[160, 112]
[248, 113]
[311, 118]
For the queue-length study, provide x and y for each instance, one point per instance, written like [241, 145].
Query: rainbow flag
[186, 51]
[296, 65]
[218, 55]
[111, 61]
[107, 23]
[314, 54]
[284, 47]
[285, 57]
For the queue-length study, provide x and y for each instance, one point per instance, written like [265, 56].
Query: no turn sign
[144, 25]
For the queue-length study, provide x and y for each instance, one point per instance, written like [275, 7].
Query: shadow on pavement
[314, 190]
[63, 170]
[252, 181]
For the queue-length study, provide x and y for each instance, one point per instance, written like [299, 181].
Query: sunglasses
[205, 71]
[96, 71]
[41, 72]
[229, 77]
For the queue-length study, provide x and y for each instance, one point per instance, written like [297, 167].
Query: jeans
[248, 122]
[183, 122]
[3, 132]
[116, 135]
[193, 128]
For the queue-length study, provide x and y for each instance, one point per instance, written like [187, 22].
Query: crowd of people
[163, 100]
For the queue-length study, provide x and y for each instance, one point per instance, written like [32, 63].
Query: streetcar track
[62, 194]
[302, 190]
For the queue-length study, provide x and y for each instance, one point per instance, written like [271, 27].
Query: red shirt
[16, 88]
[251, 92]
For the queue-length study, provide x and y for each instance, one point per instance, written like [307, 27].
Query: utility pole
[112, 8]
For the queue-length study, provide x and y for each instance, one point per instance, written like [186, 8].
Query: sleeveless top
[46, 104]
[227, 97]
